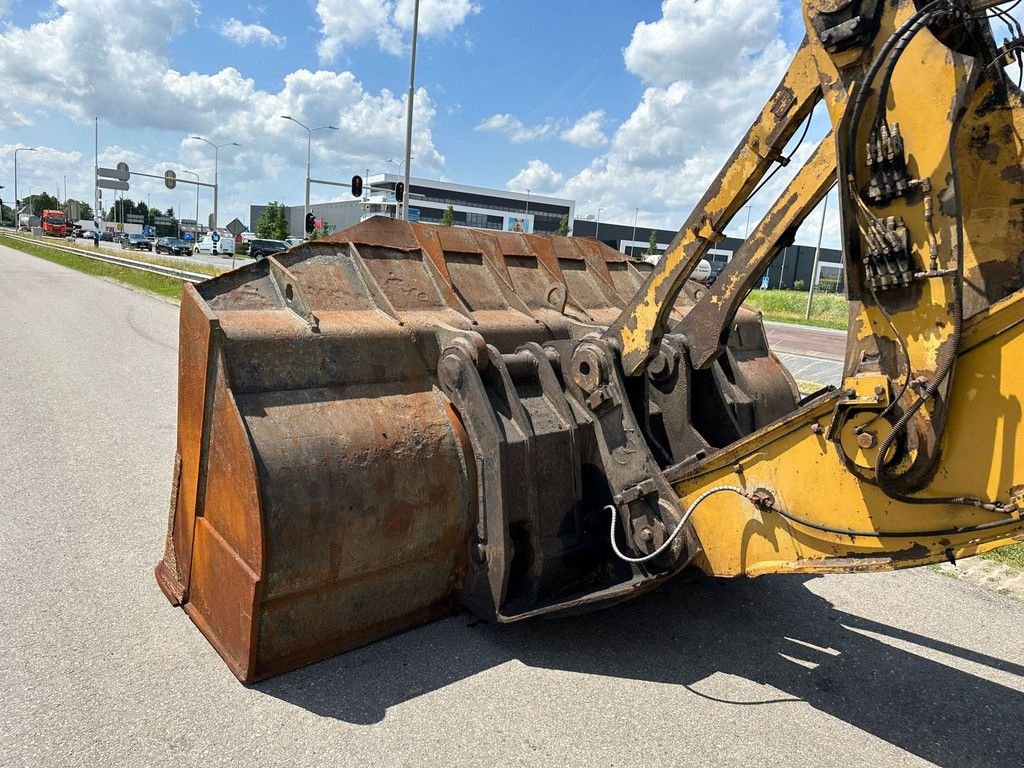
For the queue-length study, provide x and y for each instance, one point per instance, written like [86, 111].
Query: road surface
[96, 669]
[813, 355]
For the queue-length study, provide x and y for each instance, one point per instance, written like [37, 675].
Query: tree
[448, 219]
[272, 223]
[652, 245]
[169, 213]
[563, 226]
[43, 201]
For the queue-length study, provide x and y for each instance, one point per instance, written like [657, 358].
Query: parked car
[260, 249]
[137, 243]
[172, 246]
[107, 237]
[225, 245]
[293, 241]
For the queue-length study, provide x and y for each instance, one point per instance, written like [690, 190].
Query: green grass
[1011, 556]
[829, 310]
[162, 286]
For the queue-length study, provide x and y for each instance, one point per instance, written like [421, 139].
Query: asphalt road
[96, 669]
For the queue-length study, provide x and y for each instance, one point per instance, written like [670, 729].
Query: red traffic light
[400, 191]
[310, 223]
[357, 186]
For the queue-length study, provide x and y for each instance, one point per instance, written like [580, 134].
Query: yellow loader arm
[400, 419]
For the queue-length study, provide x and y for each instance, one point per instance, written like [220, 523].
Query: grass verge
[1011, 556]
[168, 287]
[829, 310]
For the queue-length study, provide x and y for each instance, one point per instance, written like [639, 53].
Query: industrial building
[500, 210]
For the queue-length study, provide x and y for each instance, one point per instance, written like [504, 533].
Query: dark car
[172, 246]
[107, 237]
[137, 243]
[260, 249]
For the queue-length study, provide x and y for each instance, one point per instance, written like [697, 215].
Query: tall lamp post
[216, 160]
[597, 229]
[19, 149]
[193, 173]
[309, 149]
[409, 106]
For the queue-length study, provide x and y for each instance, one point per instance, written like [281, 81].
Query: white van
[224, 244]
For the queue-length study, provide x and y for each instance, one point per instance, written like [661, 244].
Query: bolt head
[866, 440]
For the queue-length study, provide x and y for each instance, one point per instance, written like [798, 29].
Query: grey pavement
[96, 669]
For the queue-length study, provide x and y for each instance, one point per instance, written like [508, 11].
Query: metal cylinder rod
[817, 260]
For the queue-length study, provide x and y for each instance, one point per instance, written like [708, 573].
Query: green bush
[799, 285]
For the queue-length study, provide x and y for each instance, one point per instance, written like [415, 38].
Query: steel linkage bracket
[647, 503]
[550, 455]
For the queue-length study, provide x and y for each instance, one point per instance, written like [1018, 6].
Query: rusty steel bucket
[325, 489]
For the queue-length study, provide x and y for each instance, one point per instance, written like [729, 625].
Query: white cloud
[719, 38]
[517, 131]
[587, 131]
[348, 23]
[76, 75]
[247, 34]
[537, 177]
[710, 65]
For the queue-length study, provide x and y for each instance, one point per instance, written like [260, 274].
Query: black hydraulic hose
[995, 524]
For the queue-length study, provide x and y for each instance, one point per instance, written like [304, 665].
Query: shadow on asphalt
[688, 631]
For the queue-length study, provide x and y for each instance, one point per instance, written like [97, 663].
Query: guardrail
[109, 258]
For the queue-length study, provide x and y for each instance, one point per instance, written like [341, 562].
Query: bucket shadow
[773, 631]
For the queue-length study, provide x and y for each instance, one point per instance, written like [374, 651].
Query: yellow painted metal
[794, 460]
[827, 515]
[641, 325]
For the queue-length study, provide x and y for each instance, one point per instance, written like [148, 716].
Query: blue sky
[617, 105]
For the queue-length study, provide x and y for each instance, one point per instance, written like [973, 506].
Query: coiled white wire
[682, 522]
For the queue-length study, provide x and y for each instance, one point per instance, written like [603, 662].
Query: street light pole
[216, 162]
[19, 149]
[309, 151]
[597, 229]
[409, 107]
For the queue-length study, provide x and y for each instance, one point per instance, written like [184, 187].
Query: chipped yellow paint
[983, 445]
[804, 472]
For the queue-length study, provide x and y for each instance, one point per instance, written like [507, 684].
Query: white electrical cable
[685, 519]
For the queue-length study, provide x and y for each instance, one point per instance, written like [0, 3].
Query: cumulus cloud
[587, 131]
[717, 38]
[75, 76]
[517, 131]
[537, 177]
[348, 23]
[709, 66]
[247, 34]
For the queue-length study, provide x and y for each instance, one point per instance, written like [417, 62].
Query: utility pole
[409, 105]
[597, 229]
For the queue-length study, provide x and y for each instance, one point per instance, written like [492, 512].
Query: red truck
[54, 224]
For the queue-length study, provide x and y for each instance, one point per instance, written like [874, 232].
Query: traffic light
[400, 191]
[310, 223]
[357, 186]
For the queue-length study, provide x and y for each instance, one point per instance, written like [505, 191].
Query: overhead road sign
[112, 184]
[170, 179]
[121, 173]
